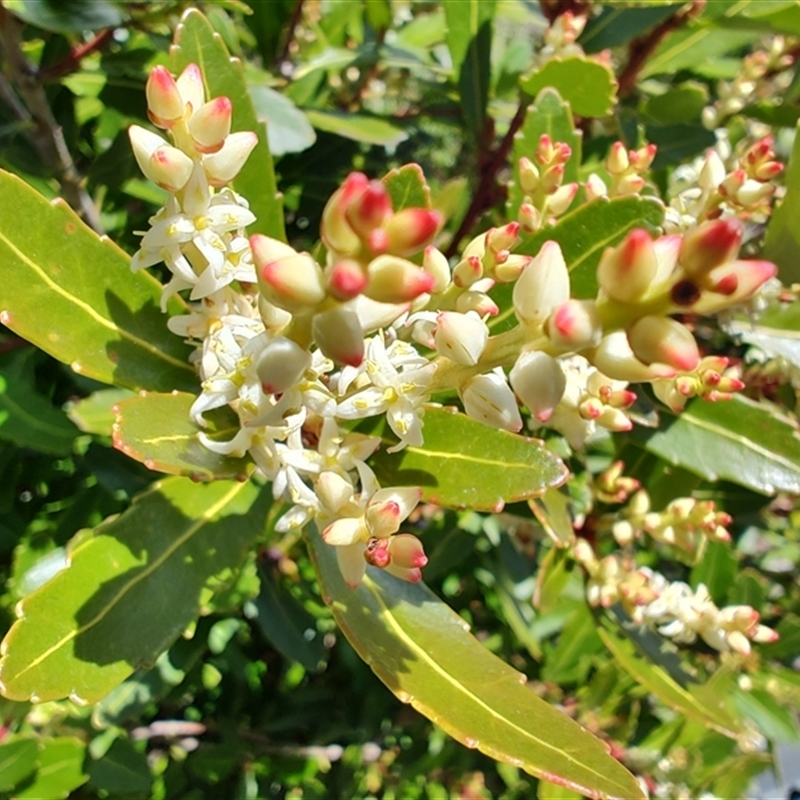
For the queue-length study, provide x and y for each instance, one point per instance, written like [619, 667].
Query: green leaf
[131, 588]
[789, 644]
[782, 244]
[95, 413]
[196, 43]
[717, 569]
[67, 16]
[583, 235]
[469, 38]
[550, 115]
[588, 87]
[121, 772]
[773, 720]
[683, 103]
[553, 512]
[421, 650]
[678, 143]
[776, 332]
[466, 464]
[698, 702]
[736, 440]
[102, 319]
[18, 761]
[358, 127]
[408, 188]
[156, 429]
[60, 770]
[288, 129]
[616, 25]
[286, 624]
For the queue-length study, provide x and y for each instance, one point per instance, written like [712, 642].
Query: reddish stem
[70, 63]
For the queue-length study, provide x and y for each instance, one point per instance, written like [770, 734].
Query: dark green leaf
[788, 646]
[121, 772]
[67, 16]
[616, 25]
[422, 651]
[156, 429]
[60, 770]
[774, 721]
[102, 319]
[465, 464]
[716, 569]
[678, 143]
[196, 43]
[18, 761]
[782, 243]
[131, 588]
[588, 87]
[681, 104]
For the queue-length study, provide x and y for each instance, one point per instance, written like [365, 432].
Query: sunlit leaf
[466, 464]
[131, 588]
[358, 127]
[18, 761]
[423, 652]
[102, 319]
[121, 772]
[60, 770]
[95, 413]
[288, 129]
[588, 87]
[407, 187]
[782, 243]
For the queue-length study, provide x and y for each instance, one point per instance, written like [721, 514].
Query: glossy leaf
[197, 43]
[358, 127]
[288, 129]
[67, 16]
[782, 244]
[678, 143]
[551, 115]
[465, 464]
[18, 761]
[102, 320]
[60, 770]
[421, 649]
[616, 25]
[588, 87]
[131, 588]
[736, 440]
[696, 702]
[156, 429]
[583, 235]
[121, 772]
[407, 187]
[95, 413]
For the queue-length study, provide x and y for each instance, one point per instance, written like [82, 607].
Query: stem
[70, 63]
[294, 21]
[44, 132]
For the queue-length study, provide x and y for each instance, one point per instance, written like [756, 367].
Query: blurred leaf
[157, 430]
[196, 43]
[588, 87]
[102, 319]
[697, 702]
[288, 129]
[778, 724]
[469, 38]
[678, 143]
[682, 104]
[748, 589]
[407, 187]
[553, 511]
[571, 658]
[737, 778]
[131, 588]
[716, 569]
[19, 759]
[422, 651]
[550, 115]
[121, 772]
[778, 112]
[456, 450]
[67, 16]
[286, 624]
[776, 332]
[616, 25]
[782, 243]
[583, 235]
[788, 646]
[60, 770]
[358, 127]
[95, 413]
[555, 572]
[737, 440]
[552, 791]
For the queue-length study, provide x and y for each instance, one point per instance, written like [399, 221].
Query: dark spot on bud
[685, 293]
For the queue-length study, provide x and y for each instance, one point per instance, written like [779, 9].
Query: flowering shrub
[374, 388]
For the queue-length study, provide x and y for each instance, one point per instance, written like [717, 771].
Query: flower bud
[511, 268]
[169, 167]
[224, 165]
[211, 124]
[626, 271]
[435, 263]
[529, 218]
[732, 283]
[395, 280]
[406, 551]
[712, 173]
[618, 162]
[553, 178]
[467, 272]
[346, 279]
[642, 158]
[528, 176]
[595, 187]
[561, 199]
[504, 238]
[615, 358]
[410, 230]
[339, 335]
[664, 340]
[543, 285]
[335, 230]
[281, 364]
[190, 85]
[460, 337]
[709, 245]
[574, 325]
[292, 281]
[488, 399]
[539, 382]
[369, 209]
[164, 103]
[478, 302]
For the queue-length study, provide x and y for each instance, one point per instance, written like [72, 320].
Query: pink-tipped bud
[488, 399]
[292, 281]
[478, 302]
[574, 325]
[511, 268]
[664, 340]
[618, 162]
[165, 165]
[410, 230]
[744, 276]
[539, 382]
[543, 285]
[595, 187]
[545, 151]
[709, 245]
[625, 272]
[346, 279]
[529, 218]
[561, 199]
[615, 358]
[190, 85]
[369, 209]
[752, 192]
[339, 335]
[335, 230]
[389, 507]
[211, 124]
[395, 280]
[164, 103]
[528, 176]
[712, 173]
[281, 364]
[224, 165]
[768, 171]
[553, 178]
[504, 238]
[467, 272]
[435, 264]
[407, 552]
[460, 337]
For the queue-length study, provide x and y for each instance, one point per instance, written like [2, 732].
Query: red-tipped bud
[664, 340]
[498, 239]
[561, 199]
[467, 272]
[768, 171]
[190, 85]
[748, 275]
[211, 124]
[346, 279]
[544, 152]
[407, 552]
[529, 218]
[336, 232]
[709, 245]
[539, 382]
[615, 358]
[642, 158]
[574, 325]
[224, 165]
[281, 364]
[618, 162]
[543, 285]
[626, 272]
[369, 209]
[164, 103]
[292, 281]
[339, 335]
[553, 178]
[478, 302]
[395, 280]
[410, 230]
